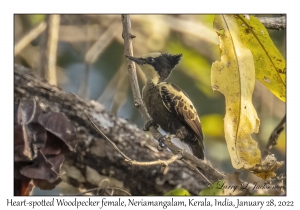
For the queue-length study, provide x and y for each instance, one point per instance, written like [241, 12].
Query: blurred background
[89, 62]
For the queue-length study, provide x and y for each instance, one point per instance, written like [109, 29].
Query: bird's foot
[149, 124]
[162, 139]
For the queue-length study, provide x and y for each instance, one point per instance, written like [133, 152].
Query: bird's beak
[138, 61]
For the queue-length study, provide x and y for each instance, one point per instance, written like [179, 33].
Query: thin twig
[134, 162]
[102, 188]
[199, 163]
[157, 162]
[128, 50]
[107, 139]
[28, 85]
[144, 144]
[274, 136]
[34, 33]
[196, 169]
[139, 72]
[276, 23]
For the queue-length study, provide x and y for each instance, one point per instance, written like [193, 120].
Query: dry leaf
[234, 76]
[58, 124]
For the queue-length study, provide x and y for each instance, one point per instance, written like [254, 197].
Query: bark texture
[95, 159]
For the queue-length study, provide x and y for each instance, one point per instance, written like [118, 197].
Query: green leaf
[212, 189]
[270, 65]
[178, 192]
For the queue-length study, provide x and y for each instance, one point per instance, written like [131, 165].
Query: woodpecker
[168, 105]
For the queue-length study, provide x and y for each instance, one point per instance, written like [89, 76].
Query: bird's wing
[178, 102]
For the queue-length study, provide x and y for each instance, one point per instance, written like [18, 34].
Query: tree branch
[276, 23]
[164, 163]
[274, 136]
[94, 159]
[138, 102]
[49, 50]
[34, 33]
[126, 22]
[134, 162]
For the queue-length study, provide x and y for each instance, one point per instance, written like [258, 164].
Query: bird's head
[157, 67]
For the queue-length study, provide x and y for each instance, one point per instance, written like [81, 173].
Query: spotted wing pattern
[178, 102]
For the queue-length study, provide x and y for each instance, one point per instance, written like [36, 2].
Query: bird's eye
[150, 60]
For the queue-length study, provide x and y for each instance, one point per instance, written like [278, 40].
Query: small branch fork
[163, 163]
[127, 36]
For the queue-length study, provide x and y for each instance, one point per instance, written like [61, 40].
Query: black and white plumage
[168, 105]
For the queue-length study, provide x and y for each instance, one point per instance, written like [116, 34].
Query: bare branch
[164, 163]
[196, 169]
[94, 158]
[106, 138]
[142, 109]
[274, 136]
[134, 162]
[186, 155]
[34, 33]
[48, 59]
[276, 23]
[132, 69]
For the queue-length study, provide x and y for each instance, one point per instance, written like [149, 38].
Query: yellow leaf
[234, 76]
[270, 65]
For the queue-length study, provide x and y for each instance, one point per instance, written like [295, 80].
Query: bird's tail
[197, 149]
